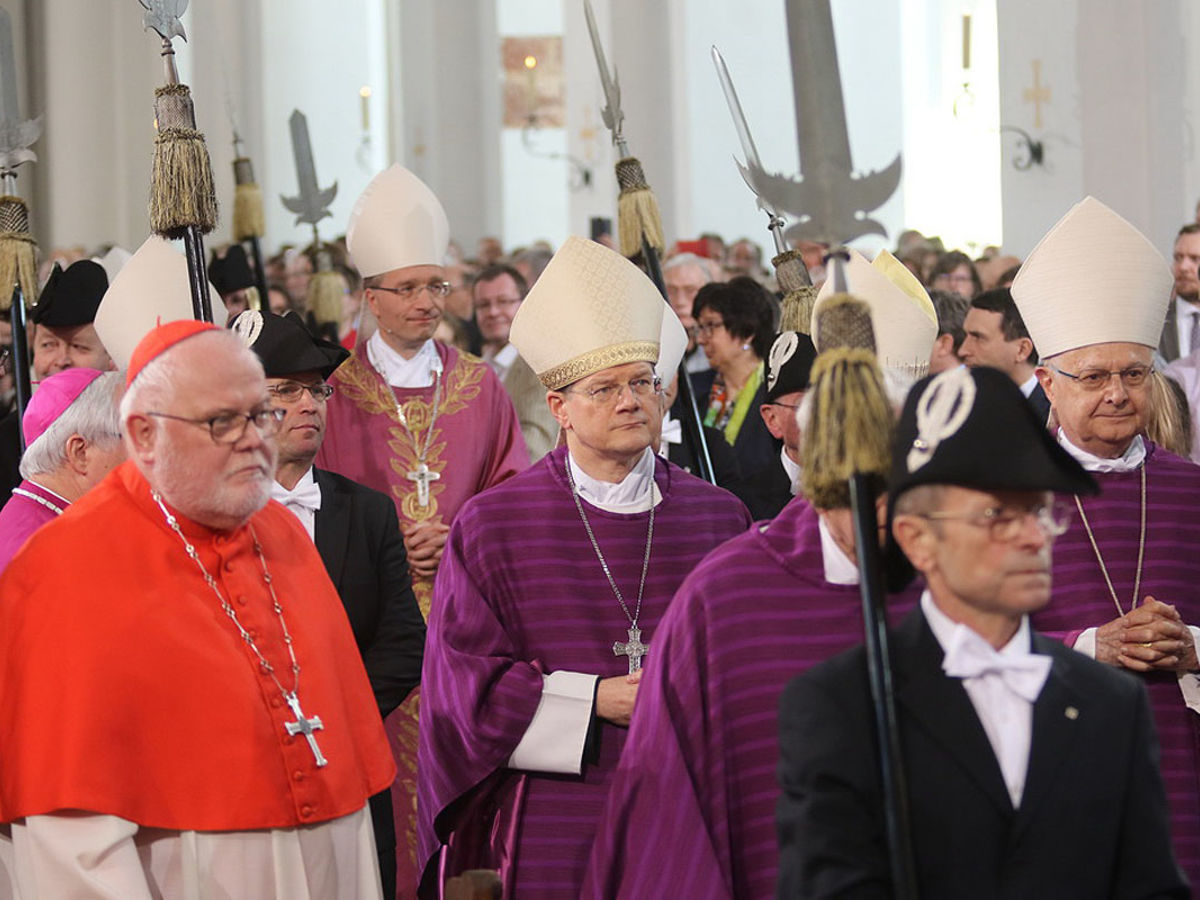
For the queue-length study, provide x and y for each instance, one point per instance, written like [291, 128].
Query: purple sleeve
[477, 697]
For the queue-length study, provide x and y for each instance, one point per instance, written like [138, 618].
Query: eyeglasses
[784, 405]
[608, 394]
[497, 303]
[409, 290]
[228, 428]
[707, 328]
[292, 391]
[1005, 522]
[1095, 379]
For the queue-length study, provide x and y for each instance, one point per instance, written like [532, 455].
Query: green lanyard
[745, 397]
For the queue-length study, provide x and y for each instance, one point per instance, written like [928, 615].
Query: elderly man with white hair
[213, 733]
[73, 440]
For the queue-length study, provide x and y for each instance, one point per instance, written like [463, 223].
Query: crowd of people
[419, 594]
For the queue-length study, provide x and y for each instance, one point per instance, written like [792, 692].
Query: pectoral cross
[633, 648]
[422, 475]
[305, 726]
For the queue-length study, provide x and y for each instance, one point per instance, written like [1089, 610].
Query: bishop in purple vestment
[73, 439]
[552, 585]
[1127, 572]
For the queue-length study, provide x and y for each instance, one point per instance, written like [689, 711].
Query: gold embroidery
[360, 384]
[594, 361]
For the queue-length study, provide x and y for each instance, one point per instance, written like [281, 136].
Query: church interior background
[495, 103]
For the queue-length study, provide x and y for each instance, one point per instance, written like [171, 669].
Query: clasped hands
[1151, 637]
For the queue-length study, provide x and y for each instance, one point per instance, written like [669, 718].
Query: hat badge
[941, 412]
[248, 326]
[782, 350]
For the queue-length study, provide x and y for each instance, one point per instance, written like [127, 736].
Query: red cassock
[125, 689]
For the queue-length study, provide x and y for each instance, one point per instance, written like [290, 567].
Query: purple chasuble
[1171, 574]
[691, 810]
[22, 516]
[476, 444]
[521, 594]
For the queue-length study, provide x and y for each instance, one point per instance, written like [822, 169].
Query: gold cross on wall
[1037, 94]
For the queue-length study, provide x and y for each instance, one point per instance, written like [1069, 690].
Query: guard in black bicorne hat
[232, 277]
[71, 296]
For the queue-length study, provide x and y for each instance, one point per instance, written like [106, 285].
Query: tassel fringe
[248, 219]
[324, 297]
[18, 253]
[182, 193]
[637, 210]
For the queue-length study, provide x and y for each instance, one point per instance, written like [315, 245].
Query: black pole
[193, 247]
[879, 672]
[693, 431]
[20, 359]
[260, 274]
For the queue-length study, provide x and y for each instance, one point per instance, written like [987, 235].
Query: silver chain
[633, 620]
[231, 612]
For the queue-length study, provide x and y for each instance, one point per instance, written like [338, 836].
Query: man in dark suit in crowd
[355, 528]
[1032, 770]
[1181, 328]
[996, 336]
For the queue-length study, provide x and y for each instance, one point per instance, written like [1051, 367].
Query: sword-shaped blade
[16, 134]
[312, 203]
[743, 130]
[163, 17]
[611, 113]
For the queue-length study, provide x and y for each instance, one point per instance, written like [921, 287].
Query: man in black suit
[996, 336]
[1032, 770]
[1181, 328]
[355, 528]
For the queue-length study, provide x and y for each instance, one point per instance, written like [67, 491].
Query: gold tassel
[18, 253]
[637, 209]
[849, 430]
[253, 299]
[248, 219]
[799, 294]
[324, 297]
[844, 321]
[182, 193]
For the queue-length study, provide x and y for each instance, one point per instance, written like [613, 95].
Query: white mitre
[1093, 279]
[591, 309]
[902, 314]
[151, 289]
[672, 345]
[397, 222]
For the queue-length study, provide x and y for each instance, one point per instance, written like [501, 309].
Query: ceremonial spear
[640, 231]
[183, 200]
[832, 206]
[18, 266]
[311, 205]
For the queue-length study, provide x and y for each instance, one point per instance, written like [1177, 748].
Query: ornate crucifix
[633, 648]
[423, 476]
[305, 726]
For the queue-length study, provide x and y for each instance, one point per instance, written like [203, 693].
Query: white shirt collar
[636, 493]
[1134, 456]
[839, 568]
[793, 471]
[501, 360]
[302, 501]
[943, 627]
[1028, 386]
[400, 372]
[672, 433]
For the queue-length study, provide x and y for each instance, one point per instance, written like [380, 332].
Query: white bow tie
[307, 494]
[970, 656]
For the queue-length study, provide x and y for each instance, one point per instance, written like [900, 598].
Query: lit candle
[531, 68]
[364, 94]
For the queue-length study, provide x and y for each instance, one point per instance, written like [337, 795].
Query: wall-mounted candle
[364, 94]
[531, 67]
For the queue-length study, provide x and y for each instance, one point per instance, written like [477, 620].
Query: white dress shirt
[500, 361]
[302, 501]
[400, 372]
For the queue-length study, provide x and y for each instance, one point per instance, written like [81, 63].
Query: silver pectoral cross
[633, 648]
[422, 475]
[305, 726]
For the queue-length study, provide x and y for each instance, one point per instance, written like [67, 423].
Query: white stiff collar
[1029, 384]
[400, 372]
[943, 628]
[793, 472]
[1129, 461]
[636, 493]
[839, 568]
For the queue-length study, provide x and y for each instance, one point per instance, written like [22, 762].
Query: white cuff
[554, 740]
[1086, 643]
[1189, 682]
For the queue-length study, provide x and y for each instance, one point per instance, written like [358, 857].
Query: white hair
[92, 415]
[680, 260]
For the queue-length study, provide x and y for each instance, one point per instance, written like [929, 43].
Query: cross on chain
[633, 648]
[422, 475]
[306, 727]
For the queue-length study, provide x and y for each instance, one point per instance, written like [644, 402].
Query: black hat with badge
[71, 296]
[789, 364]
[285, 346]
[973, 428]
[230, 272]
